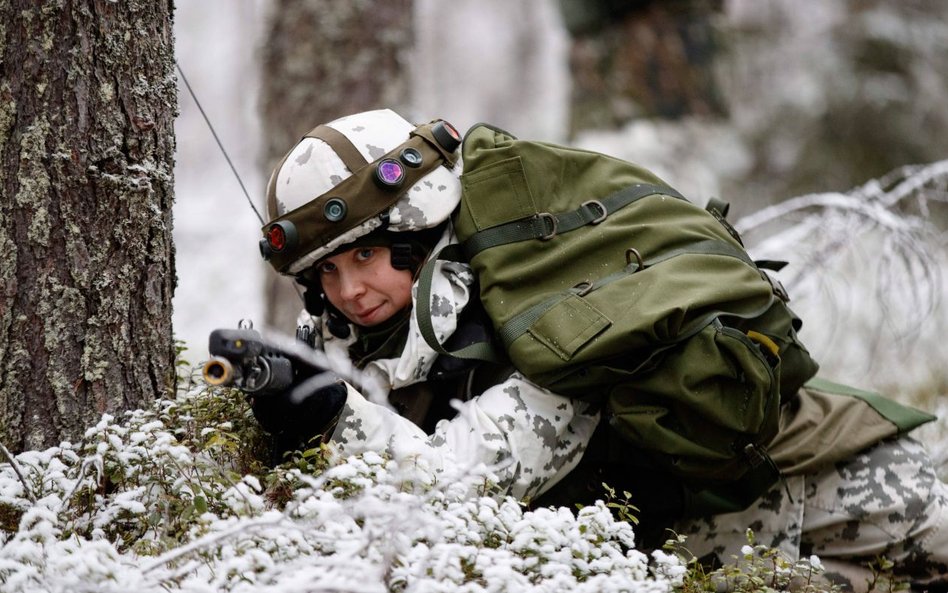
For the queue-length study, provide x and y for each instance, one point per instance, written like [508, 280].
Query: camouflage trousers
[886, 501]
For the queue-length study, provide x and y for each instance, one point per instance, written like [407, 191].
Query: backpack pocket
[706, 409]
[480, 210]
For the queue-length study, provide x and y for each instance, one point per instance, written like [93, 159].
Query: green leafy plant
[621, 507]
[883, 578]
[758, 569]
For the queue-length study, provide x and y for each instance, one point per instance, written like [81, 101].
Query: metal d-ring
[583, 288]
[633, 252]
[553, 224]
[602, 209]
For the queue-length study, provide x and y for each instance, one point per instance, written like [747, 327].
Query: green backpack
[604, 283]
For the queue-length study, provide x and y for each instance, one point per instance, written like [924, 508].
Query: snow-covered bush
[173, 498]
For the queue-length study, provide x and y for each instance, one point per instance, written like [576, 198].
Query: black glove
[299, 421]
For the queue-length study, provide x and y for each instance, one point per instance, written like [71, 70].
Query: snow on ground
[131, 508]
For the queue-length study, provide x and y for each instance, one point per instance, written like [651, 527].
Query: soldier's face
[364, 286]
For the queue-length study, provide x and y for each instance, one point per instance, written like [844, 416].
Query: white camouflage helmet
[354, 175]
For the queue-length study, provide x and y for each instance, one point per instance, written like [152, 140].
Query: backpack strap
[546, 225]
[734, 496]
[476, 351]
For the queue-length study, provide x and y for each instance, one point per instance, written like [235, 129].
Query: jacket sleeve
[529, 437]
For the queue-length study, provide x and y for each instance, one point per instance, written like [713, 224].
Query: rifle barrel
[218, 371]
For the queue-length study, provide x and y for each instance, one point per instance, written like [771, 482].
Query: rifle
[241, 358]
[292, 392]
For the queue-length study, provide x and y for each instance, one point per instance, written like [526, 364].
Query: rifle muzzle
[219, 371]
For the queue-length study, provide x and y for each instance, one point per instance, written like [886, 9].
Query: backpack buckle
[631, 253]
[583, 288]
[754, 455]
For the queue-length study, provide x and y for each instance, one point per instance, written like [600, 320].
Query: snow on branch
[155, 503]
[883, 230]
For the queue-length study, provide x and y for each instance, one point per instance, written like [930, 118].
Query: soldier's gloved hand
[299, 414]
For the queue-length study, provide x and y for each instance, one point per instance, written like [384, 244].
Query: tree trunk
[87, 105]
[322, 60]
[641, 58]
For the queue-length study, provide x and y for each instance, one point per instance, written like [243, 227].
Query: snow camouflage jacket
[529, 437]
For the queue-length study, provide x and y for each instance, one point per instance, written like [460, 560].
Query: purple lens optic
[390, 172]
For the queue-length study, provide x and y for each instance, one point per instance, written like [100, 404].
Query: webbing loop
[598, 205]
[538, 227]
[544, 216]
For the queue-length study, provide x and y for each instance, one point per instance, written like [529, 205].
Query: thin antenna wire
[207, 120]
[218, 140]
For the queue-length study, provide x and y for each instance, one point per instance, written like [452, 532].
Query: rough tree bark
[87, 104]
[641, 58]
[322, 60]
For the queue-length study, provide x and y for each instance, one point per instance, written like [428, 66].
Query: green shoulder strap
[546, 225]
[476, 351]
[903, 417]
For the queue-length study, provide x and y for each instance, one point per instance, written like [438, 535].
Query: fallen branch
[19, 474]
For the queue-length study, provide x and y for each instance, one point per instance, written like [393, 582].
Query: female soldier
[355, 241]
[359, 204]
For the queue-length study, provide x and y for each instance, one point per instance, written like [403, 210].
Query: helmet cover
[312, 169]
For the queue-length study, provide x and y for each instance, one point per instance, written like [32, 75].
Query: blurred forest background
[752, 101]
